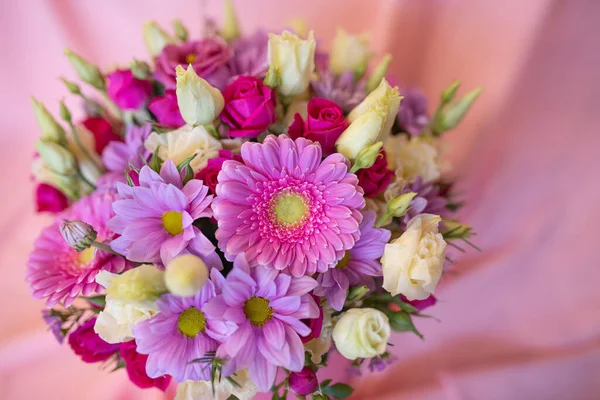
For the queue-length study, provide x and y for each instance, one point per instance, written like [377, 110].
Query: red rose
[102, 130]
[304, 382]
[208, 175]
[127, 91]
[166, 110]
[249, 107]
[375, 179]
[86, 343]
[324, 123]
[50, 199]
[135, 363]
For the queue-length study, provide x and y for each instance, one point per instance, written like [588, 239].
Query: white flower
[349, 53]
[362, 132]
[411, 158]
[193, 390]
[198, 101]
[181, 143]
[361, 333]
[115, 323]
[389, 97]
[155, 38]
[413, 263]
[293, 60]
[321, 345]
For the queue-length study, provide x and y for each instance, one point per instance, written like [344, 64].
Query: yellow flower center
[191, 322]
[344, 261]
[190, 58]
[257, 310]
[86, 256]
[173, 222]
[289, 209]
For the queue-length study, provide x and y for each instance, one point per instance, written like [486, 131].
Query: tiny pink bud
[304, 382]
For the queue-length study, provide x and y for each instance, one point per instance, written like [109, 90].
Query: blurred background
[518, 321]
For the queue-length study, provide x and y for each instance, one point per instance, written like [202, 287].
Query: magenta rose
[103, 132]
[166, 110]
[249, 107]
[375, 179]
[89, 346]
[49, 199]
[209, 173]
[209, 58]
[324, 123]
[315, 324]
[127, 91]
[135, 363]
[420, 304]
[304, 382]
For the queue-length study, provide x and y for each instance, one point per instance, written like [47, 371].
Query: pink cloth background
[518, 321]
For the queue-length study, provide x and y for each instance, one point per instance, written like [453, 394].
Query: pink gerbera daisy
[267, 306]
[285, 208]
[57, 272]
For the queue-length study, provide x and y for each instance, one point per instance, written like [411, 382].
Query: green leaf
[184, 164]
[325, 383]
[97, 301]
[339, 390]
[155, 161]
[402, 322]
[233, 397]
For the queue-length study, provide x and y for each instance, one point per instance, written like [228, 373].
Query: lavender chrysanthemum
[250, 56]
[57, 272]
[412, 114]
[428, 200]
[179, 333]
[267, 306]
[358, 265]
[343, 89]
[155, 219]
[285, 208]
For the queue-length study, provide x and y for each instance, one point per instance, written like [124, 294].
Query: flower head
[342, 89]
[287, 209]
[376, 178]
[412, 115]
[155, 218]
[358, 265]
[210, 172]
[127, 91]
[50, 199]
[250, 55]
[59, 273]
[135, 363]
[166, 110]
[119, 156]
[89, 346]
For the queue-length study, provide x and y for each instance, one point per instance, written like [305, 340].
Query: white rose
[293, 59]
[413, 263]
[384, 94]
[362, 132]
[181, 143]
[412, 157]
[193, 390]
[198, 101]
[361, 333]
[349, 53]
[115, 323]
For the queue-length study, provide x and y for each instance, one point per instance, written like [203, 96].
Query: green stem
[104, 247]
[354, 168]
[381, 221]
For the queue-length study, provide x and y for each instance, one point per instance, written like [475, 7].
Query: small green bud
[454, 113]
[65, 114]
[449, 93]
[140, 69]
[71, 86]
[52, 131]
[357, 293]
[367, 157]
[398, 206]
[56, 157]
[231, 27]
[180, 30]
[378, 73]
[88, 72]
[272, 79]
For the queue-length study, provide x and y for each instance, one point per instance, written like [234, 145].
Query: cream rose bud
[293, 59]
[362, 132]
[413, 263]
[361, 333]
[185, 275]
[199, 102]
[155, 38]
[389, 97]
[184, 142]
[349, 53]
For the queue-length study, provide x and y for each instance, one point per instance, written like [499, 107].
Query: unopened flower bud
[454, 113]
[367, 157]
[304, 382]
[378, 73]
[140, 69]
[78, 234]
[155, 38]
[231, 28]
[88, 72]
[52, 131]
[186, 275]
[349, 53]
[398, 206]
[57, 158]
[65, 114]
[362, 132]
[449, 93]
[180, 29]
[199, 102]
[293, 59]
[71, 86]
[357, 293]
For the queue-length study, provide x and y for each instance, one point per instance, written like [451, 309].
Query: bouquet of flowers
[237, 208]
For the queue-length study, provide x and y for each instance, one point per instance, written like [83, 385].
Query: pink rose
[304, 382]
[89, 346]
[324, 124]
[249, 107]
[128, 92]
[135, 363]
[315, 324]
[209, 173]
[375, 179]
[102, 130]
[50, 199]
[166, 110]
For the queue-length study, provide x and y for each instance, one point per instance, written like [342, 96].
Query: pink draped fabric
[518, 321]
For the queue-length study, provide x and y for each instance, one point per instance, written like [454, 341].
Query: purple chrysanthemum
[428, 200]
[267, 306]
[343, 89]
[250, 56]
[155, 219]
[358, 265]
[57, 272]
[412, 114]
[285, 208]
[179, 333]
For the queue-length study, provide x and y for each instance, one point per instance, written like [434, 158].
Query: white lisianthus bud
[413, 263]
[451, 116]
[367, 157]
[362, 132]
[385, 95]
[186, 275]
[57, 158]
[155, 38]
[52, 131]
[349, 53]
[199, 102]
[230, 29]
[378, 73]
[180, 29]
[362, 333]
[293, 59]
[398, 206]
[87, 72]
[78, 234]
